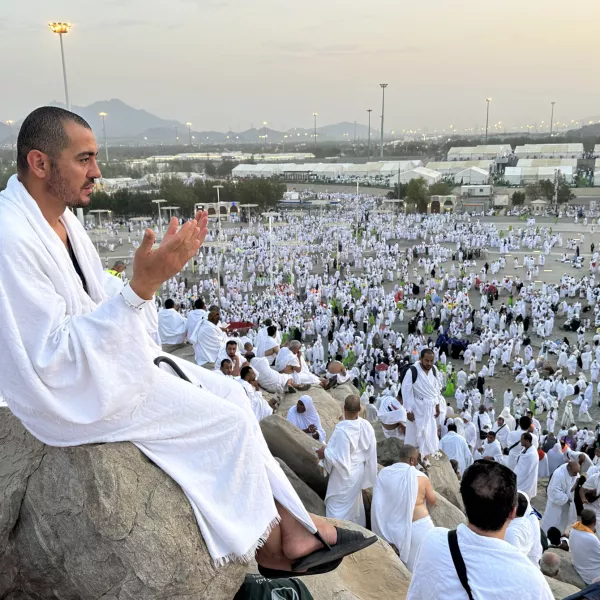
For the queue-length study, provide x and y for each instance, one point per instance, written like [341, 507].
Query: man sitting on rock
[78, 365]
[585, 546]
[291, 362]
[350, 459]
[399, 511]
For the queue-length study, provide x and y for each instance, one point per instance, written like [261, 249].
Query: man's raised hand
[152, 267]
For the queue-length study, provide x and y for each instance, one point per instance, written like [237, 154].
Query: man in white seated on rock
[494, 568]
[269, 379]
[78, 367]
[260, 407]
[527, 466]
[231, 351]
[195, 316]
[560, 506]
[455, 447]
[523, 531]
[584, 546]
[392, 416]
[290, 361]
[489, 449]
[208, 339]
[172, 327]
[350, 460]
[399, 510]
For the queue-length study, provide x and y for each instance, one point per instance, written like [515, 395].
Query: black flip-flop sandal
[320, 570]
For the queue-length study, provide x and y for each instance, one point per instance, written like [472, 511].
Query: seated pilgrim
[291, 362]
[54, 375]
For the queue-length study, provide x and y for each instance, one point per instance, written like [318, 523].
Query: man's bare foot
[302, 542]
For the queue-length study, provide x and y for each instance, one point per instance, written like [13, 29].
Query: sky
[230, 64]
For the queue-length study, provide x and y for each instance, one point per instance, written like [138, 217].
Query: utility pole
[369, 110]
[487, 118]
[552, 119]
[383, 86]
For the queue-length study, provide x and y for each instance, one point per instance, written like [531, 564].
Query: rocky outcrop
[559, 589]
[388, 450]
[98, 521]
[567, 572]
[340, 392]
[329, 409]
[295, 449]
[445, 514]
[311, 500]
[375, 573]
[444, 480]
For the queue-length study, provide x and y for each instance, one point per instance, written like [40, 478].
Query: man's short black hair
[489, 492]
[225, 360]
[230, 342]
[44, 130]
[527, 437]
[199, 304]
[524, 423]
[588, 517]
[271, 330]
[522, 504]
[169, 303]
[451, 427]
[553, 536]
[426, 351]
[244, 371]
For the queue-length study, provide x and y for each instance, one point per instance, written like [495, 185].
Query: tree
[547, 189]
[518, 198]
[564, 192]
[533, 191]
[210, 169]
[441, 188]
[225, 167]
[417, 192]
[394, 194]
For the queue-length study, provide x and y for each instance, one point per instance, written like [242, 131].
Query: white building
[524, 175]
[472, 175]
[483, 152]
[550, 151]
[548, 162]
[428, 175]
[456, 166]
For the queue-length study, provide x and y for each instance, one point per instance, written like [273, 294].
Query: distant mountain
[125, 124]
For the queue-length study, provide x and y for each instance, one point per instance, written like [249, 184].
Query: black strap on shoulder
[459, 563]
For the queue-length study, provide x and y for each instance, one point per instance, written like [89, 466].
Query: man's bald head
[352, 404]
[550, 564]
[573, 467]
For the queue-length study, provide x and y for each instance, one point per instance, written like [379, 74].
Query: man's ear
[39, 164]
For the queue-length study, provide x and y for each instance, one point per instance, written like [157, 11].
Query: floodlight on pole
[62, 29]
[315, 115]
[103, 115]
[383, 86]
[552, 119]
[160, 227]
[369, 110]
[12, 139]
[487, 118]
[189, 126]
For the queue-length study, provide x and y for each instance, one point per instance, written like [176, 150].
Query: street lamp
[383, 86]
[218, 188]
[12, 141]
[103, 115]
[487, 118]
[160, 228]
[189, 126]
[61, 29]
[369, 110]
[552, 119]
[315, 115]
[264, 136]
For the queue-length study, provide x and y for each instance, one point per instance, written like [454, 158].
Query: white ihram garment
[560, 508]
[351, 462]
[172, 327]
[526, 471]
[524, 534]
[421, 399]
[394, 498]
[487, 560]
[53, 375]
[391, 412]
[269, 379]
[456, 448]
[585, 553]
[208, 339]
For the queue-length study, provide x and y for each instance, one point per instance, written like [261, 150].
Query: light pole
[160, 228]
[218, 188]
[383, 86]
[369, 110]
[103, 115]
[487, 118]
[61, 29]
[189, 126]
[552, 119]
[12, 140]
[264, 137]
[315, 115]
[355, 133]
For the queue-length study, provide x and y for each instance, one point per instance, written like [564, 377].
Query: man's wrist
[143, 291]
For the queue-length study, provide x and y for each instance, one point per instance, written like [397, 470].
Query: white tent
[483, 152]
[473, 176]
[525, 175]
[456, 166]
[427, 174]
[550, 150]
[548, 162]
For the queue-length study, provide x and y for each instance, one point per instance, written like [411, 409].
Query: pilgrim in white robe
[194, 317]
[488, 560]
[524, 534]
[260, 407]
[560, 507]
[309, 417]
[269, 379]
[526, 471]
[351, 462]
[208, 340]
[54, 378]
[556, 458]
[490, 450]
[455, 447]
[285, 358]
[394, 499]
[391, 412]
[421, 399]
[584, 547]
[172, 327]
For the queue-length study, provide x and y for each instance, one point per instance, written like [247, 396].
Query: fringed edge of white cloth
[249, 555]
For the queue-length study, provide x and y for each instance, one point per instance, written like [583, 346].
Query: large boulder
[311, 500]
[445, 514]
[99, 521]
[295, 449]
[559, 589]
[375, 573]
[567, 572]
[341, 392]
[329, 409]
[444, 480]
[541, 497]
[388, 450]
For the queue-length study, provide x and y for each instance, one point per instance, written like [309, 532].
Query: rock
[560, 589]
[340, 392]
[102, 521]
[311, 500]
[541, 497]
[295, 449]
[444, 480]
[328, 408]
[388, 450]
[445, 514]
[567, 572]
[375, 573]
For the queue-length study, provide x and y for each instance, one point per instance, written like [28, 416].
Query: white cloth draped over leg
[78, 369]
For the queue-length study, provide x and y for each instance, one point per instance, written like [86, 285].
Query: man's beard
[58, 187]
